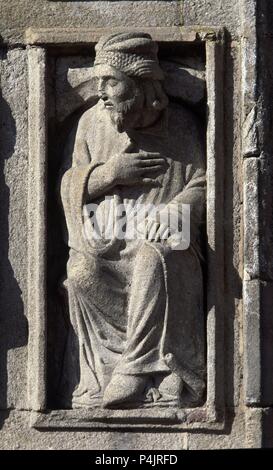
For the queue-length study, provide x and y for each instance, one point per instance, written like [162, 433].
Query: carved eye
[112, 82]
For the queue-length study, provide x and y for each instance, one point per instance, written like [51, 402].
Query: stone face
[223, 83]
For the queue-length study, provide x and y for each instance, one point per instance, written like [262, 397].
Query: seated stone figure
[135, 304]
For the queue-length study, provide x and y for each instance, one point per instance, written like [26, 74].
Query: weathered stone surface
[37, 136]
[76, 36]
[74, 85]
[252, 223]
[46, 14]
[13, 228]
[186, 83]
[233, 229]
[16, 434]
[258, 343]
[213, 13]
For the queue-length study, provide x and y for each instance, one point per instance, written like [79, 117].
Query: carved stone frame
[211, 415]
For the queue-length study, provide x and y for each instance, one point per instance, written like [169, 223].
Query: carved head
[129, 79]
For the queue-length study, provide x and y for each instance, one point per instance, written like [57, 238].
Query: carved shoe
[171, 387]
[123, 389]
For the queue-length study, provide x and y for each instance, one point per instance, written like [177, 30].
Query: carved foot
[123, 389]
[171, 387]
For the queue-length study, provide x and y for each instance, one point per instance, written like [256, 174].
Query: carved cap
[132, 53]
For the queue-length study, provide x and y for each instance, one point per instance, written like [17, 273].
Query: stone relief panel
[124, 210]
[127, 321]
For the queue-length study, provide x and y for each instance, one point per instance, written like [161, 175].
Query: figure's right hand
[136, 168]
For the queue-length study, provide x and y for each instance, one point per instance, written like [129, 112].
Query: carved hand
[156, 231]
[136, 168]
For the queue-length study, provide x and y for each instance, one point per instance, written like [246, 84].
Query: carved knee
[81, 270]
[149, 257]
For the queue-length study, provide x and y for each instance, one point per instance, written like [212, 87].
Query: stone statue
[135, 303]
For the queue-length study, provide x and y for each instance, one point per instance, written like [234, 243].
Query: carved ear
[184, 82]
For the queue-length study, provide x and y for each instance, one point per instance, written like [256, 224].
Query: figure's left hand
[156, 231]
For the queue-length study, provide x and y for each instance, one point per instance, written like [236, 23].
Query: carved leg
[98, 328]
[143, 354]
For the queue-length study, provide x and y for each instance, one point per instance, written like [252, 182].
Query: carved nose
[101, 91]
[103, 96]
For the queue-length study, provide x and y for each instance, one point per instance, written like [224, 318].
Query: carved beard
[124, 115]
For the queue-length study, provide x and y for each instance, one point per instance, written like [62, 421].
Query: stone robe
[133, 304]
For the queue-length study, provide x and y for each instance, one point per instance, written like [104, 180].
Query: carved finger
[153, 232]
[148, 181]
[148, 224]
[166, 233]
[151, 169]
[162, 233]
[152, 162]
[148, 155]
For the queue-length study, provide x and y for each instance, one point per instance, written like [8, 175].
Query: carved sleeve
[194, 176]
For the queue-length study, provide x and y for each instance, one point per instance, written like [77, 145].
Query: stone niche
[61, 89]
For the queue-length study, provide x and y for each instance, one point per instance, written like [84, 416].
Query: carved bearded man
[136, 304]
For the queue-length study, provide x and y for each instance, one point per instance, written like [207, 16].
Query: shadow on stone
[13, 324]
